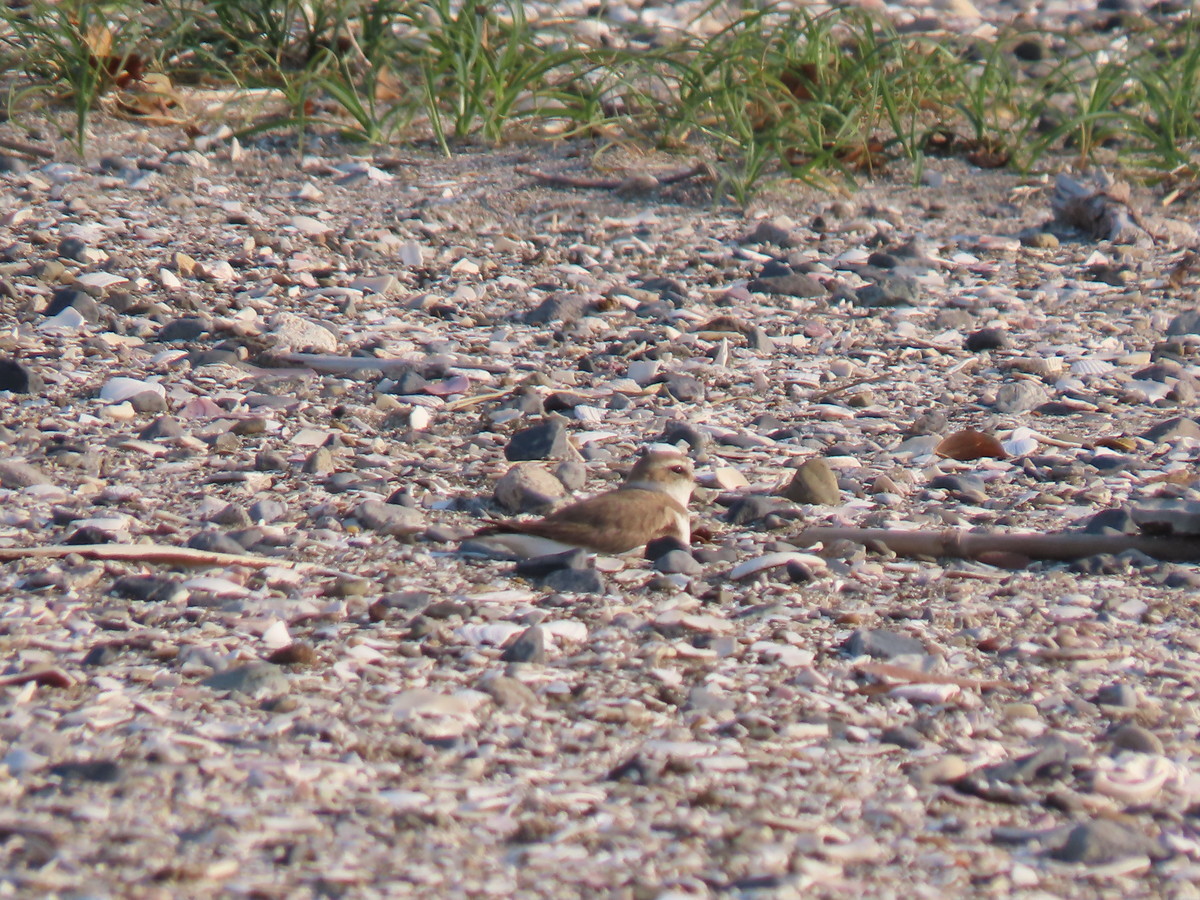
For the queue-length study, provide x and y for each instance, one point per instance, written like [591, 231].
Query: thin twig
[981, 544]
[26, 148]
[158, 553]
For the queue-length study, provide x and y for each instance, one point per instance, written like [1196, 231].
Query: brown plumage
[651, 503]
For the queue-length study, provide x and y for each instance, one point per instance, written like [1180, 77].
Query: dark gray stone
[266, 511]
[529, 646]
[541, 566]
[545, 441]
[678, 562]
[389, 518]
[815, 483]
[148, 402]
[932, 422]
[575, 581]
[19, 378]
[882, 644]
[215, 542]
[685, 432]
[1104, 841]
[1177, 427]
[101, 771]
[1184, 323]
[753, 508]
[164, 427]
[766, 232]
[1119, 694]
[889, 290]
[902, 736]
[528, 487]
[72, 248]
[1136, 738]
[1167, 517]
[270, 461]
[99, 655]
[968, 488]
[16, 475]
[563, 307]
[73, 298]
[786, 282]
[445, 609]
[986, 339]
[1111, 462]
[186, 328]
[706, 556]
[319, 462]
[684, 388]
[664, 545]
[408, 382]
[1111, 521]
[149, 589]
[509, 693]
[571, 474]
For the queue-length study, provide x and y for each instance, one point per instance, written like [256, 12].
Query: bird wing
[610, 523]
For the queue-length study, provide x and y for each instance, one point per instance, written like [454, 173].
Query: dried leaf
[99, 41]
[1120, 443]
[969, 444]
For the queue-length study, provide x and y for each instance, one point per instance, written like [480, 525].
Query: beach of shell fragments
[320, 367]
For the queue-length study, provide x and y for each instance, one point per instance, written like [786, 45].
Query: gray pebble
[545, 441]
[1119, 694]
[678, 562]
[815, 483]
[389, 518]
[255, 680]
[1103, 841]
[528, 487]
[882, 644]
[575, 581]
[1020, 396]
[529, 646]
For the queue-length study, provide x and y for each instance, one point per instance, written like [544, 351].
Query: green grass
[772, 95]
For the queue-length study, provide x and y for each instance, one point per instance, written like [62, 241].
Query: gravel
[319, 383]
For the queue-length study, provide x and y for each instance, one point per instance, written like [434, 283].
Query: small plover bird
[651, 503]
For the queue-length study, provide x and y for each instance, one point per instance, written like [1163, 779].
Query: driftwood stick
[157, 553]
[976, 544]
[26, 148]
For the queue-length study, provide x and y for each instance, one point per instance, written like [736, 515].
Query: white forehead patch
[670, 449]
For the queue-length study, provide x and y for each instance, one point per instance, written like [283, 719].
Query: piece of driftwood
[906, 675]
[981, 544]
[26, 148]
[158, 553]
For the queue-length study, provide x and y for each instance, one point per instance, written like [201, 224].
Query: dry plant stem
[26, 148]
[893, 672]
[974, 544]
[157, 553]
